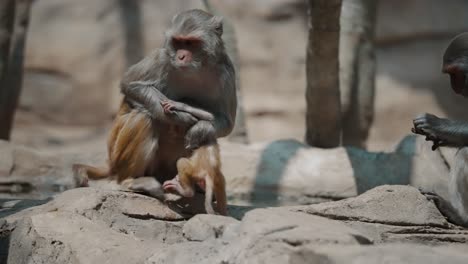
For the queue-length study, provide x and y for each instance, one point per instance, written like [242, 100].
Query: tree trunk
[239, 133]
[12, 81]
[323, 117]
[7, 18]
[130, 15]
[357, 75]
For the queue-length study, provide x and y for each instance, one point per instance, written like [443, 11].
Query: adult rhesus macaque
[445, 132]
[193, 72]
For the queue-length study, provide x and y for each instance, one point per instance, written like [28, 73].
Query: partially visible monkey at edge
[445, 132]
[193, 72]
[203, 169]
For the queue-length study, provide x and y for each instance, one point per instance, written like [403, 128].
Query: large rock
[60, 237]
[391, 205]
[402, 254]
[392, 213]
[88, 225]
[202, 227]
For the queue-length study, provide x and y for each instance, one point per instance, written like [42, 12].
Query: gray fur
[209, 85]
[445, 132]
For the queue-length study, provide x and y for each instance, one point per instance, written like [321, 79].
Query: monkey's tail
[220, 193]
[90, 172]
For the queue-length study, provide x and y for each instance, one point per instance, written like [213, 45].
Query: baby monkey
[202, 168]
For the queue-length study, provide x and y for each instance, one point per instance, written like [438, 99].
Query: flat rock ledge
[391, 223]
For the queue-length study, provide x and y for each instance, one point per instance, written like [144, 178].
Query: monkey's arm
[448, 132]
[142, 85]
[226, 116]
[147, 97]
[171, 106]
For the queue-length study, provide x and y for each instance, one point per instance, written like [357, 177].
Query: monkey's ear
[174, 17]
[217, 22]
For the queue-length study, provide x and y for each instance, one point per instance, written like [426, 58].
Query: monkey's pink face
[457, 79]
[185, 47]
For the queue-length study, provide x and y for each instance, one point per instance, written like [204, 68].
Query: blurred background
[77, 51]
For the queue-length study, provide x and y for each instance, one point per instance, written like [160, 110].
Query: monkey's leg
[445, 207]
[458, 185]
[82, 173]
[146, 185]
[209, 194]
[182, 183]
[134, 146]
[119, 122]
[220, 193]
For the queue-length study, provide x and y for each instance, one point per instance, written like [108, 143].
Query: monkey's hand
[200, 134]
[170, 107]
[436, 143]
[433, 127]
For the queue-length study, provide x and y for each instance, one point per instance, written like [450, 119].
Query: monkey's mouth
[181, 65]
[458, 79]
[187, 67]
[458, 82]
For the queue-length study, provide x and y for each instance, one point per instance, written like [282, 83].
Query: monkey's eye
[192, 43]
[185, 42]
[451, 68]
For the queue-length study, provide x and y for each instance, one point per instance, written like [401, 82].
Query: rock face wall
[76, 54]
[72, 60]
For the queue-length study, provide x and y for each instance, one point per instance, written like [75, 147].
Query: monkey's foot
[80, 176]
[445, 208]
[171, 193]
[171, 185]
[145, 185]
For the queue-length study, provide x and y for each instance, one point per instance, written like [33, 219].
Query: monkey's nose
[181, 56]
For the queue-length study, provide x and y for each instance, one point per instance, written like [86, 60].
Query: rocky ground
[388, 224]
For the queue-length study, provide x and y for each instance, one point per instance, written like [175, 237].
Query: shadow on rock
[270, 170]
[289, 172]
